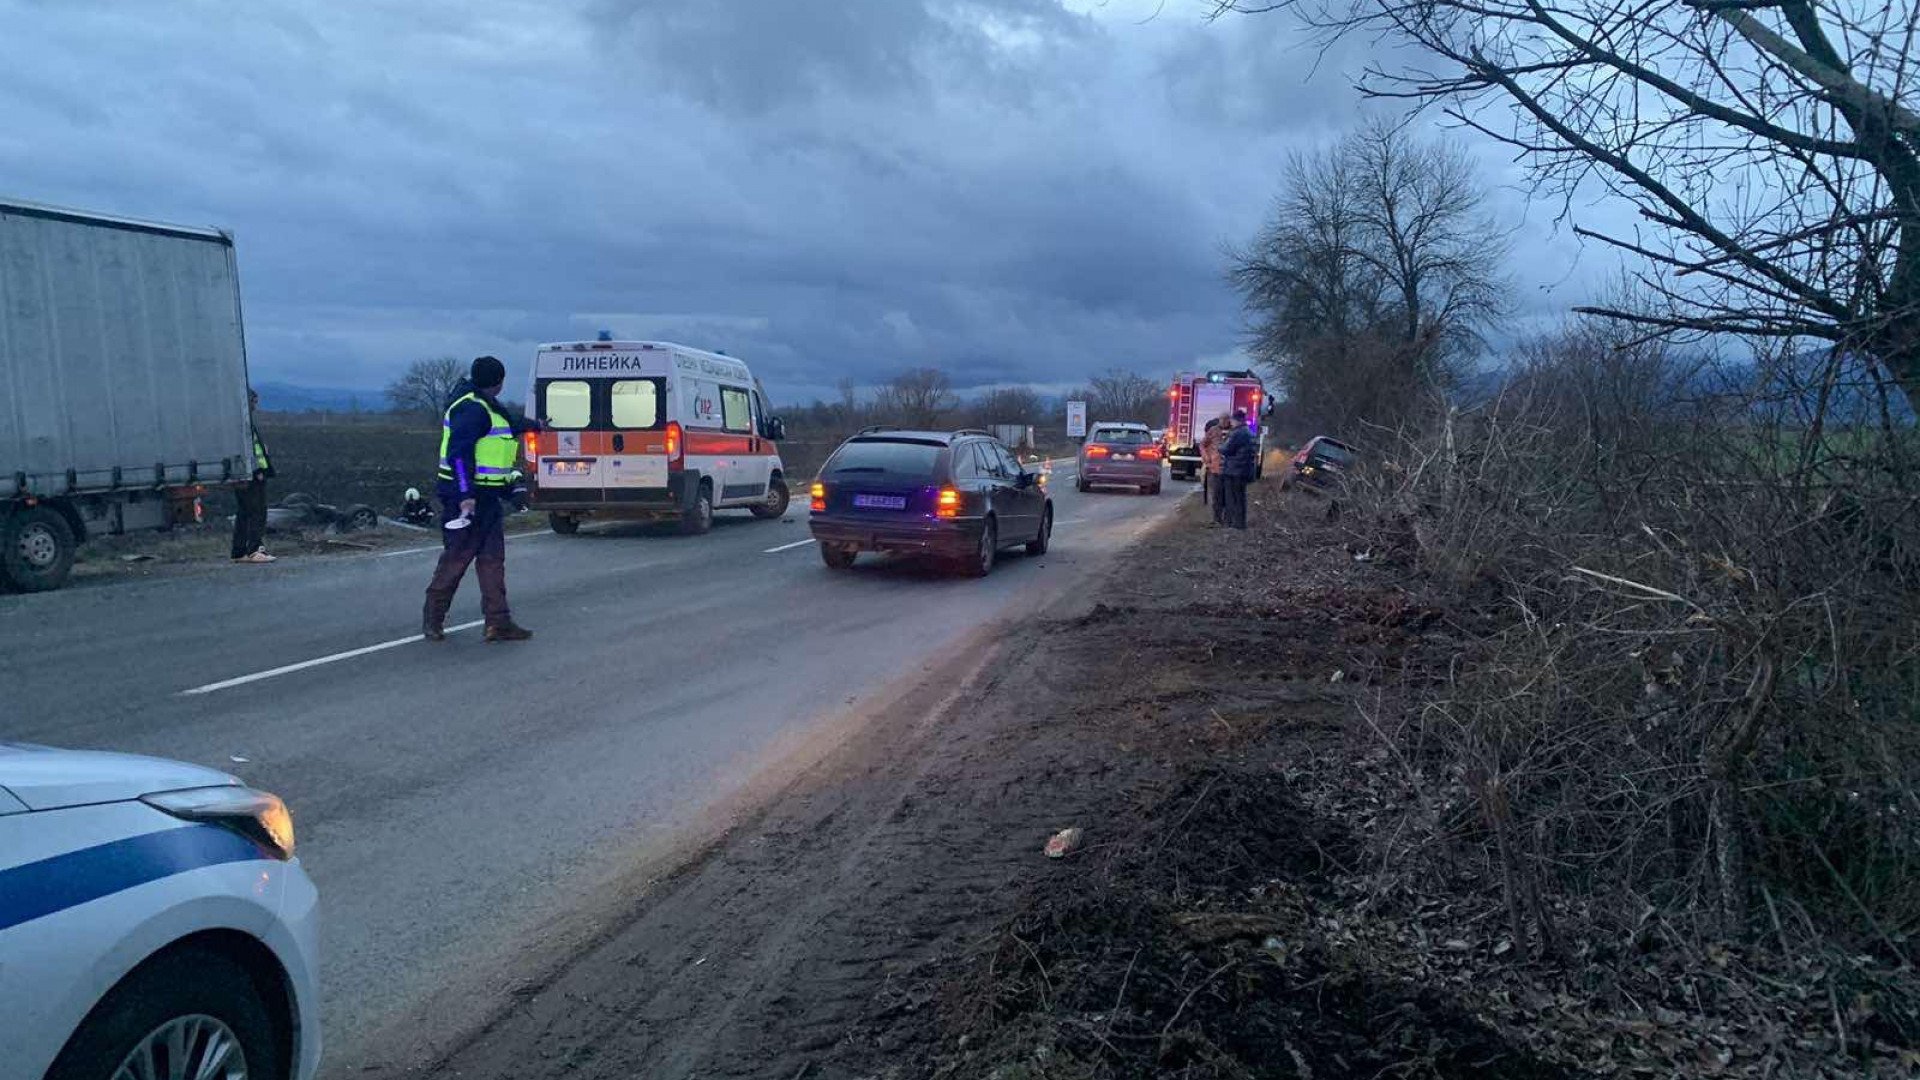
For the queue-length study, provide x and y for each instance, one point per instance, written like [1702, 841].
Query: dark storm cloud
[1017, 190]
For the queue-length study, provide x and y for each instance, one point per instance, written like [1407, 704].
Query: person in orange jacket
[1210, 444]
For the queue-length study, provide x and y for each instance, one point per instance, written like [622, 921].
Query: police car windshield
[895, 457]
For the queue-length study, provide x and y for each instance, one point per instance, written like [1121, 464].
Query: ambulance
[651, 431]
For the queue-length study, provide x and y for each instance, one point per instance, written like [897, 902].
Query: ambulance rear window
[568, 404]
[636, 403]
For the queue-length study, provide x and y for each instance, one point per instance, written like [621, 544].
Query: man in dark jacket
[1240, 458]
[250, 498]
[479, 450]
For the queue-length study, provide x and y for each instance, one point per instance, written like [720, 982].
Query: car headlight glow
[256, 815]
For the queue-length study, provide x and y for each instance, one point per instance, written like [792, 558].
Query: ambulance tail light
[675, 443]
[530, 445]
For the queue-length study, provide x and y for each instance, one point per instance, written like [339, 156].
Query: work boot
[432, 630]
[508, 631]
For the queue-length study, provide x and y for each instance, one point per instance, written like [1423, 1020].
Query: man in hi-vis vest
[479, 452]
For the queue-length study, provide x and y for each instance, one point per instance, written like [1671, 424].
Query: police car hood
[45, 778]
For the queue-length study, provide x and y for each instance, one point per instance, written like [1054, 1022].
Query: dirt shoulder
[1201, 717]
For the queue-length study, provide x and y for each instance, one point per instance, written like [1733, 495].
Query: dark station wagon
[960, 496]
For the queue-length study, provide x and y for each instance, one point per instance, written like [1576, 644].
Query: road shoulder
[892, 914]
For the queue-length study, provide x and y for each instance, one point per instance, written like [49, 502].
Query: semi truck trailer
[123, 381]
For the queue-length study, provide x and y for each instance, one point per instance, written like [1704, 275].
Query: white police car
[153, 924]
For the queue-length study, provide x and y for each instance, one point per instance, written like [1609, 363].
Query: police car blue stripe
[37, 889]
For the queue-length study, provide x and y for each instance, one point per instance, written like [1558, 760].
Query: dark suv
[1321, 463]
[958, 495]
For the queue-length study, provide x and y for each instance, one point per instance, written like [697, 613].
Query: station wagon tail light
[256, 815]
[1150, 452]
[818, 494]
[1096, 450]
[948, 503]
[673, 443]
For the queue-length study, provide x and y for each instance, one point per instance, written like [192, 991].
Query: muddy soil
[891, 914]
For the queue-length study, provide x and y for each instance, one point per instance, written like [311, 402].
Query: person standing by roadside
[479, 450]
[1239, 458]
[1210, 443]
[250, 498]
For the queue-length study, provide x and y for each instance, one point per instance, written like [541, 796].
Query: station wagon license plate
[568, 468]
[880, 502]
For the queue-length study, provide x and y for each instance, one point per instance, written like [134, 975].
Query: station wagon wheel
[838, 556]
[1038, 545]
[982, 562]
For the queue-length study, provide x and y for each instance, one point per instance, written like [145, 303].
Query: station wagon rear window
[890, 457]
[1122, 436]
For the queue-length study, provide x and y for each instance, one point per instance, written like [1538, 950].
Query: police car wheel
[189, 1012]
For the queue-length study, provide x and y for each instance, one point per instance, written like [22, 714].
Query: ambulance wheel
[777, 499]
[36, 549]
[564, 524]
[699, 517]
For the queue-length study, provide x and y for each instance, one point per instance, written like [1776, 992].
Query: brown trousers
[484, 545]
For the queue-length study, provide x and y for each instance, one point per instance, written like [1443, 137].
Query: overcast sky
[1019, 191]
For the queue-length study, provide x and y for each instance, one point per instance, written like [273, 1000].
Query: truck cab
[1197, 397]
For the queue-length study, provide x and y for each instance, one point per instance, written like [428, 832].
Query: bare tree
[1766, 144]
[1010, 405]
[1126, 395]
[919, 398]
[426, 385]
[1375, 276]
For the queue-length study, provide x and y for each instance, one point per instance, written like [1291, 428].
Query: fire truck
[1197, 397]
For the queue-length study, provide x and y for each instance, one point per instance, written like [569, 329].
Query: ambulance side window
[567, 403]
[735, 412]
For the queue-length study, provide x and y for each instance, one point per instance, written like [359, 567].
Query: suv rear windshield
[893, 457]
[1333, 452]
[1122, 436]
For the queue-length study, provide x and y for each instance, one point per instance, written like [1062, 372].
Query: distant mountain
[282, 397]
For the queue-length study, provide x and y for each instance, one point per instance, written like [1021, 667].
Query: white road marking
[228, 684]
[1070, 521]
[788, 547]
[438, 547]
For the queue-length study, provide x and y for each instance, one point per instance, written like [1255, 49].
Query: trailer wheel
[36, 549]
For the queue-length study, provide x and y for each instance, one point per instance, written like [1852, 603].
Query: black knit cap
[488, 372]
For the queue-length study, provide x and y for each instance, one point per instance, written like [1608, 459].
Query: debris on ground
[1064, 843]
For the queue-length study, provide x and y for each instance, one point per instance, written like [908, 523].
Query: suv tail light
[674, 445]
[817, 494]
[1096, 450]
[948, 504]
[1150, 452]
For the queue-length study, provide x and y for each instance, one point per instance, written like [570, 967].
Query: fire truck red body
[1197, 397]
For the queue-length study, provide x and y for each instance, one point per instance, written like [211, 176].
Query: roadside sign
[1076, 419]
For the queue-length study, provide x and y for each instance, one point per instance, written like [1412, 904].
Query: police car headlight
[256, 815]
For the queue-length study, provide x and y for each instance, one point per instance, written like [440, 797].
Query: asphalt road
[463, 806]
